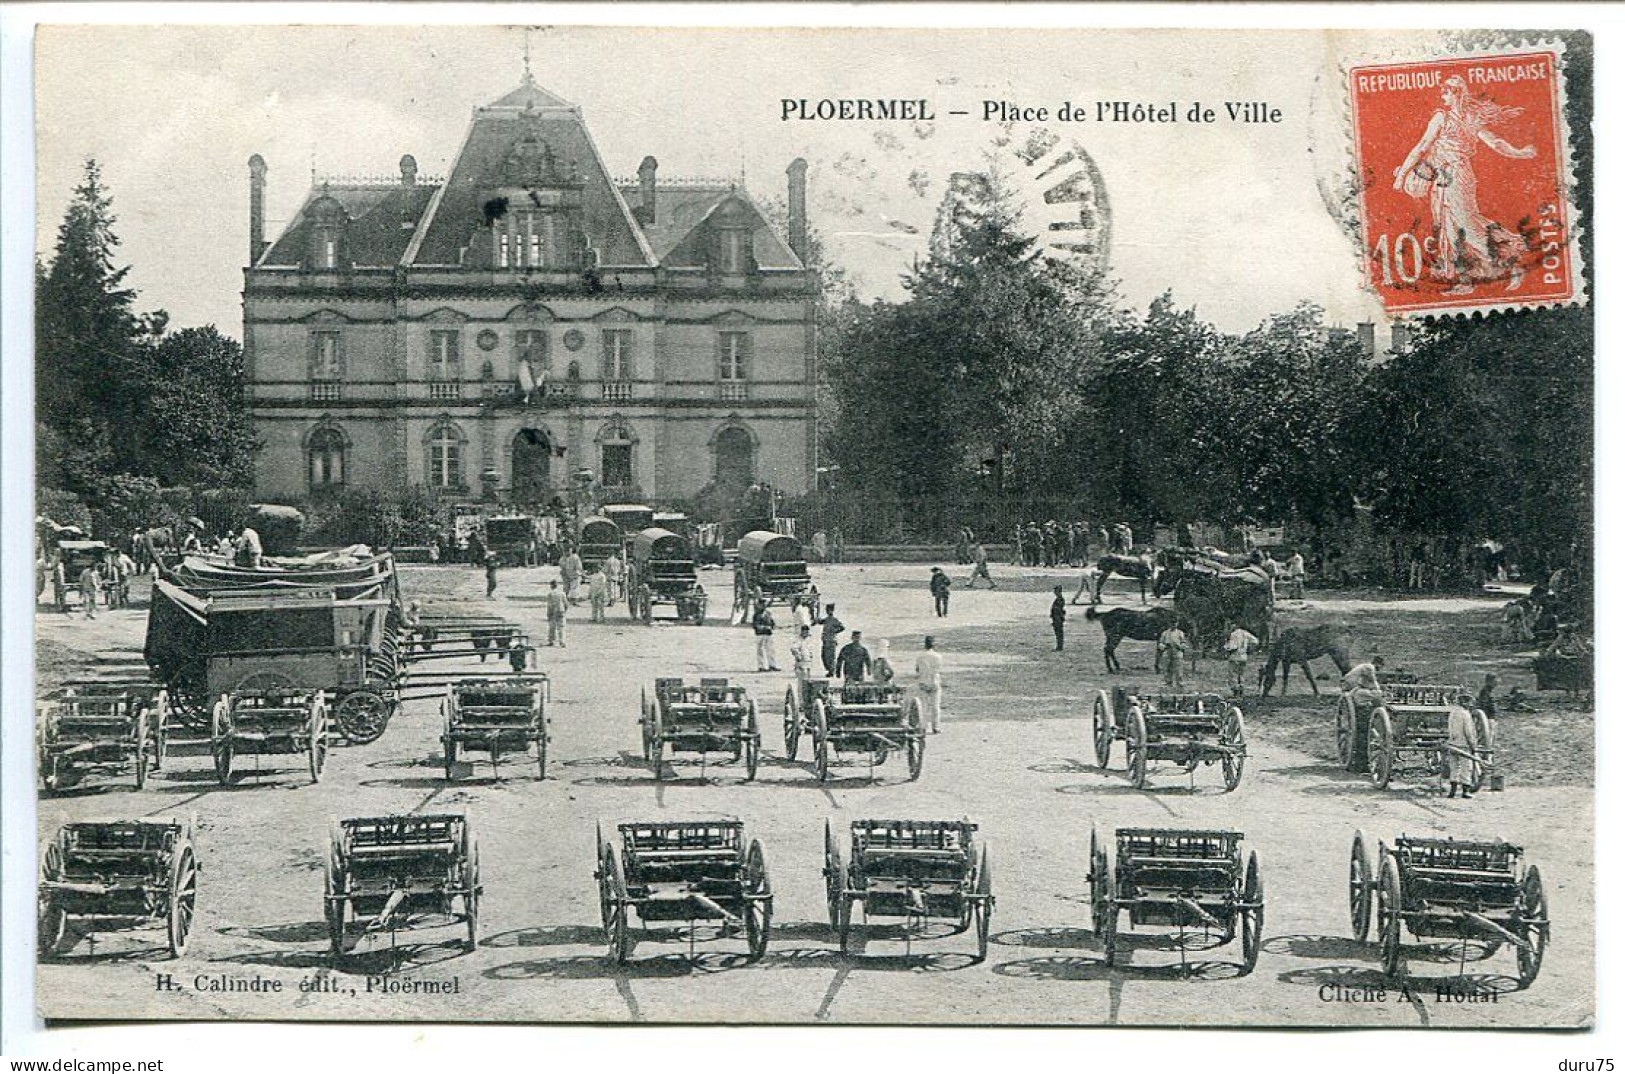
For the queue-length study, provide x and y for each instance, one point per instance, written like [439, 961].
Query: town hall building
[529, 321]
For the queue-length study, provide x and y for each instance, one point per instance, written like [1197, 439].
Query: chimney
[1368, 339]
[409, 170]
[646, 190]
[256, 208]
[797, 171]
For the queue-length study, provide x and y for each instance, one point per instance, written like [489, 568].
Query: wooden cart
[1185, 729]
[105, 726]
[916, 870]
[496, 716]
[118, 874]
[874, 719]
[273, 722]
[398, 872]
[713, 716]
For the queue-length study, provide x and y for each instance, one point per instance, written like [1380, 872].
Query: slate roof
[374, 236]
[680, 207]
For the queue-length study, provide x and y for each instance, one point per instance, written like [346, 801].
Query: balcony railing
[617, 391]
[326, 391]
[445, 389]
[732, 391]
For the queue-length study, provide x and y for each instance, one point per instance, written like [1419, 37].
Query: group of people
[103, 581]
[1058, 544]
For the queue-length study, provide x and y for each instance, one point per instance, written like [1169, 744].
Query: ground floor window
[326, 454]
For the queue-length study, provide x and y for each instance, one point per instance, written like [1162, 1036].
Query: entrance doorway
[532, 460]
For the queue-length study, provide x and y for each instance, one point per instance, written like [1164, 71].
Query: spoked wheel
[834, 878]
[52, 920]
[1345, 732]
[1103, 725]
[335, 888]
[450, 743]
[318, 737]
[753, 742]
[1252, 917]
[1390, 917]
[1381, 750]
[1360, 886]
[821, 745]
[1485, 732]
[141, 740]
[1097, 879]
[984, 905]
[182, 898]
[792, 722]
[220, 737]
[612, 900]
[362, 716]
[1137, 747]
[1534, 926]
[541, 747]
[471, 901]
[916, 739]
[657, 743]
[759, 901]
[1233, 736]
[646, 720]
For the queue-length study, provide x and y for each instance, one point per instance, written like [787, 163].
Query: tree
[195, 429]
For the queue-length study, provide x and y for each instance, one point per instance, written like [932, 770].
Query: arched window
[532, 462]
[325, 450]
[444, 455]
[736, 458]
[617, 452]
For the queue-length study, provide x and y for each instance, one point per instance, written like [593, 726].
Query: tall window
[732, 363]
[735, 247]
[617, 363]
[326, 365]
[523, 239]
[330, 252]
[445, 364]
[615, 448]
[326, 452]
[530, 347]
[445, 457]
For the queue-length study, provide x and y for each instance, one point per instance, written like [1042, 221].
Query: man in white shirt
[928, 670]
[1238, 647]
[248, 547]
[802, 653]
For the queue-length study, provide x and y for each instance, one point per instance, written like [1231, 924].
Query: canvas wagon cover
[660, 544]
[765, 546]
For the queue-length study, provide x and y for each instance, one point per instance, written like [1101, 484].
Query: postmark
[1461, 165]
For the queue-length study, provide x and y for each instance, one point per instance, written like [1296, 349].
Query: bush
[62, 507]
[126, 504]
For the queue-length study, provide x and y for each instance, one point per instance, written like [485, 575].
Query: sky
[1228, 217]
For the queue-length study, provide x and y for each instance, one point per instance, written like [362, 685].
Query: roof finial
[528, 78]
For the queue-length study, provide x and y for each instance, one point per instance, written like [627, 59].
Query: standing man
[979, 557]
[854, 661]
[1057, 619]
[928, 673]
[598, 593]
[90, 588]
[1461, 764]
[1238, 647]
[558, 607]
[1172, 647]
[801, 654]
[570, 570]
[939, 591]
[831, 637]
[762, 623]
[491, 562]
[615, 571]
[1295, 572]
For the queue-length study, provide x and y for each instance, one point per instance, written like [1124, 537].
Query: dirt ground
[1014, 757]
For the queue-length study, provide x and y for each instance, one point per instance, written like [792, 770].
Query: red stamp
[1461, 170]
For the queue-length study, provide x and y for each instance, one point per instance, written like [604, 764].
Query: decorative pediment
[445, 315]
[732, 319]
[326, 316]
[530, 311]
[531, 161]
[616, 314]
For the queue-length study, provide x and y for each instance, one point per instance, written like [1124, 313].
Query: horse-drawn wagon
[661, 570]
[118, 874]
[871, 718]
[269, 721]
[713, 716]
[917, 870]
[1190, 880]
[75, 556]
[496, 716]
[103, 726]
[1449, 889]
[769, 567]
[1409, 732]
[598, 538]
[511, 538]
[392, 873]
[1187, 729]
[1212, 598]
[683, 872]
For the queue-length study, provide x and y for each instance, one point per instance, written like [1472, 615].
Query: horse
[1299, 645]
[1120, 623]
[1211, 599]
[1143, 568]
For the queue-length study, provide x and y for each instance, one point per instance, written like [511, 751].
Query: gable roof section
[680, 208]
[374, 236]
[605, 217]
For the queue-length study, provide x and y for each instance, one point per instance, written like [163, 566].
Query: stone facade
[529, 319]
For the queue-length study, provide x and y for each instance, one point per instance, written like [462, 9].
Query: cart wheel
[645, 719]
[759, 904]
[141, 737]
[471, 901]
[362, 716]
[1252, 918]
[1536, 928]
[792, 722]
[1380, 752]
[1485, 733]
[318, 736]
[1390, 916]
[657, 743]
[916, 739]
[753, 741]
[1104, 725]
[182, 897]
[834, 878]
[1345, 732]
[1136, 747]
[541, 748]
[1233, 734]
[334, 888]
[1098, 886]
[612, 897]
[448, 743]
[220, 735]
[1360, 887]
[821, 748]
[53, 919]
[984, 905]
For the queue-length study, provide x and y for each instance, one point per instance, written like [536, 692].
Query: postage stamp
[1461, 165]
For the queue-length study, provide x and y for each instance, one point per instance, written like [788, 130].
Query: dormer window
[330, 252]
[523, 239]
[327, 223]
[734, 250]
